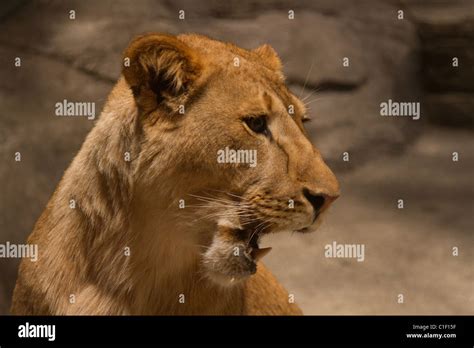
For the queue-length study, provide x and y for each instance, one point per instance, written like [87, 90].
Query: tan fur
[134, 205]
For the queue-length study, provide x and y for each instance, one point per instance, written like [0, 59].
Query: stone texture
[446, 30]
[451, 109]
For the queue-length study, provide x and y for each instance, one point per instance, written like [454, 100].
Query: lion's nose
[319, 201]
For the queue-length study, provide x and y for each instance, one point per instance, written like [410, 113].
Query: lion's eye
[258, 124]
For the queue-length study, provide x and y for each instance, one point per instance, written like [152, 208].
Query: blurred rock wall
[446, 31]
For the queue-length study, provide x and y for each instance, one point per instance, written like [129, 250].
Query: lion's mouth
[254, 250]
[233, 254]
[235, 251]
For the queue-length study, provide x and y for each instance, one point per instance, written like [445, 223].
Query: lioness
[146, 220]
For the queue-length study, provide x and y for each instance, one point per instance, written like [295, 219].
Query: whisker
[228, 193]
[215, 200]
[306, 80]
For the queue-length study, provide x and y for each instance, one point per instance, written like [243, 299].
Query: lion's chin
[226, 280]
[228, 264]
[232, 255]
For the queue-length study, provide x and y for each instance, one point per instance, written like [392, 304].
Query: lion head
[220, 120]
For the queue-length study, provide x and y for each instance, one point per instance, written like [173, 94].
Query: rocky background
[408, 251]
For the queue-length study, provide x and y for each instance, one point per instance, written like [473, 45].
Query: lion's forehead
[216, 50]
[252, 74]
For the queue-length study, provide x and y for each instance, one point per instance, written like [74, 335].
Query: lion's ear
[160, 69]
[269, 56]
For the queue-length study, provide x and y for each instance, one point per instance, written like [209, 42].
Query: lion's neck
[169, 250]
